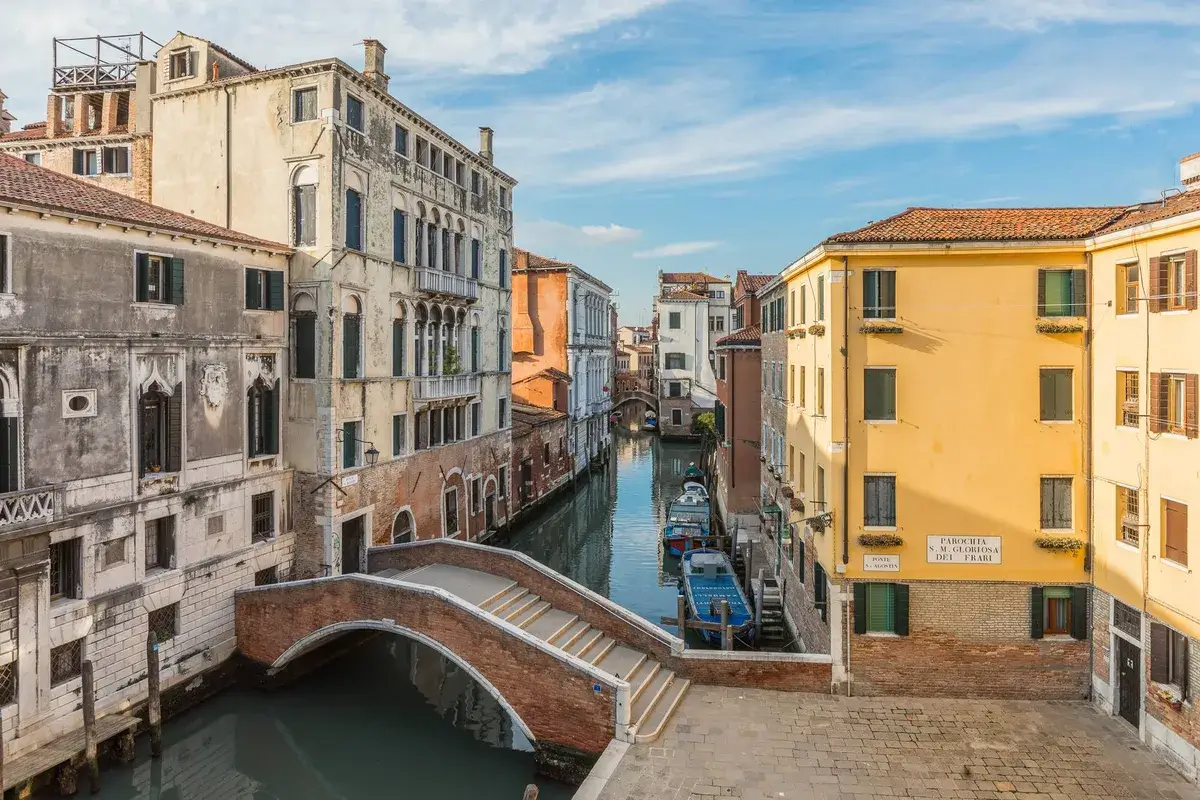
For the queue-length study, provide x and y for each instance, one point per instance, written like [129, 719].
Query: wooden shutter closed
[397, 347]
[350, 331]
[860, 608]
[1158, 284]
[799, 555]
[476, 258]
[253, 288]
[1079, 612]
[1047, 395]
[720, 421]
[398, 221]
[353, 220]
[306, 345]
[1159, 664]
[1041, 293]
[1157, 408]
[10, 455]
[1189, 279]
[1175, 524]
[175, 429]
[143, 277]
[1189, 413]
[1035, 612]
[275, 290]
[270, 421]
[901, 609]
[1186, 668]
[1079, 293]
[176, 270]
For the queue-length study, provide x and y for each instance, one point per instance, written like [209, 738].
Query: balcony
[100, 62]
[29, 505]
[444, 387]
[448, 284]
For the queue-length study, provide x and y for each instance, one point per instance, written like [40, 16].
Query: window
[65, 569]
[1128, 516]
[1128, 405]
[8, 683]
[820, 298]
[503, 269]
[399, 231]
[801, 393]
[720, 368]
[262, 419]
[674, 320]
[164, 622]
[354, 113]
[33, 158]
[675, 389]
[1057, 611]
[352, 341]
[1169, 658]
[820, 391]
[304, 104]
[304, 215]
[502, 480]
[1062, 293]
[1180, 403]
[159, 279]
[792, 306]
[160, 431]
[881, 608]
[450, 511]
[676, 361]
[116, 160]
[66, 662]
[504, 198]
[262, 516]
[1057, 396]
[1128, 288]
[545, 453]
[676, 416]
[791, 390]
[1056, 503]
[476, 183]
[264, 289]
[354, 220]
[399, 434]
[1177, 283]
[1175, 531]
[879, 501]
[716, 324]
[476, 419]
[351, 457]
[305, 345]
[821, 485]
[401, 141]
[267, 577]
[879, 294]
[182, 64]
[160, 543]
[878, 607]
[399, 343]
[879, 394]
[502, 413]
[798, 471]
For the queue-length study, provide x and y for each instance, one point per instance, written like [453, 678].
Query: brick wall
[784, 673]
[969, 640]
[665, 407]
[553, 698]
[529, 442]
[1174, 733]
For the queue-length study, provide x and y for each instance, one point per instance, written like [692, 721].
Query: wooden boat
[651, 423]
[687, 522]
[708, 578]
[693, 473]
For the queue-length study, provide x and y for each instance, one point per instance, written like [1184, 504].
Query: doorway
[352, 539]
[489, 511]
[1129, 682]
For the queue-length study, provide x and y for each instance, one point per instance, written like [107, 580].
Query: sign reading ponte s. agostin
[963, 549]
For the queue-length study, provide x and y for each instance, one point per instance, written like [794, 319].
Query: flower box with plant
[1168, 696]
[817, 329]
[1060, 544]
[1064, 326]
[800, 333]
[880, 327]
[879, 540]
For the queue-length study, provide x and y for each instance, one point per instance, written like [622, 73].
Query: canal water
[393, 719]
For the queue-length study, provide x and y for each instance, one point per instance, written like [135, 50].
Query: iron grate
[8, 684]
[66, 662]
[1127, 619]
[162, 621]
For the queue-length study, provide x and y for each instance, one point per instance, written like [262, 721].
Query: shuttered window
[399, 340]
[1175, 531]
[476, 259]
[399, 434]
[354, 113]
[159, 279]
[879, 294]
[1058, 610]
[820, 390]
[1128, 398]
[1172, 282]
[350, 444]
[1169, 660]
[1062, 292]
[1057, 614]
[1056, 503]
[880, 608]
[879, 394]
[160, 430]
[304, 345]
[262, 419]
[802, 396]
[820, 298]
[399, 233]
[354, 237]
[1057, 395]
[1128, 288]
[10, 458]
[879, 501]
[304, 216]
[503, 269]
[264, 289]
[1128, 517]
[351, 340]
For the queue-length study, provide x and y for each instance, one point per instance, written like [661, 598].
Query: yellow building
[940, 461]
[1146, 463]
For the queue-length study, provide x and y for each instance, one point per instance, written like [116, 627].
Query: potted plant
[1060, 544]
[451, 364]
[879, 540]
[817, 329]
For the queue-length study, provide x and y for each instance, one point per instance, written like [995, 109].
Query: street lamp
[372, 455]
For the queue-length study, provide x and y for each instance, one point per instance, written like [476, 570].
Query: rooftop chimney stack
[1189, 171]
[373, 63]
[6, 119]
[485, 144]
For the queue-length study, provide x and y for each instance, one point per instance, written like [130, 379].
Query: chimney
[373, 63]
[1189, 171]
[485, 144]
[6, 119]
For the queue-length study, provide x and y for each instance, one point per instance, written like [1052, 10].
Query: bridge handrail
[626, 616]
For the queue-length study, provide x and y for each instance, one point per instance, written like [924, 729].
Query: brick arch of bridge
[567, 707]
[647, 398]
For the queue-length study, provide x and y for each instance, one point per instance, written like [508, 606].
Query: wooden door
[352, 539]
[1129, 682]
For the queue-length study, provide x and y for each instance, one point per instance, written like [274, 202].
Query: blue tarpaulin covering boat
[708, 578]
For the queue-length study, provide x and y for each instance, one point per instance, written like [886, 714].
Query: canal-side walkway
[757, 744]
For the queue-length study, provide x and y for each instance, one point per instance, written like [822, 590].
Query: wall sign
[874, 563]
[349, 480]
[963, 549]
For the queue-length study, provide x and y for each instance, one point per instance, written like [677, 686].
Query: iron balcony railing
[436, 281]
[100, 61]
[443, 387]
[29, 505]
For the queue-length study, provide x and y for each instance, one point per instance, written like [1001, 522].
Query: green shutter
[1079, 293]
[1079, 612]
[395, 435]
[176, 268]
[397, 235]
[881, 608]
[860, 608]
[348, 445]
[251, 451]
[270, 420]
[901, 609]
[1036, 611]
[397, 347]
[799, 556]
[275, 290]
[253, 288]
[9, 455]
[350, 345]
[143, 277]
[305, 344]
[175, 429]
[1041, 293]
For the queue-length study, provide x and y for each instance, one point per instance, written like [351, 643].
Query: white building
[692, 310]
[589, 363]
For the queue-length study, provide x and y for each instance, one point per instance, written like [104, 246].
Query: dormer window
[183, 64]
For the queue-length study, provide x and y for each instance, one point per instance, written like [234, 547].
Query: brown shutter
[1189, 269]
[1158, 653]
[1041, 293]
[1157, 407]
[1158, 284]
[1079, 301]
[1189, 414]
[1175, 532]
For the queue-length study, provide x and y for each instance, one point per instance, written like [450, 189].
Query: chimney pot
[373, 63]
[485, 144]
[6, 118]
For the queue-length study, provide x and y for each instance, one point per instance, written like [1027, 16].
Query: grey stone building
[144, 481]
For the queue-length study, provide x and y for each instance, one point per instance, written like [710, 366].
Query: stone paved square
[759, 744]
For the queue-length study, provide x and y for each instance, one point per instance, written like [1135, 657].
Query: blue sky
[732, 134]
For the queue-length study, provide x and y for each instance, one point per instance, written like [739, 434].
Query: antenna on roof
[1172, 192]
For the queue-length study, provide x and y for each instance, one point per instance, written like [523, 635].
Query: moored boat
[651, 423]
[693, 473]
[687, 521]
[708, 578]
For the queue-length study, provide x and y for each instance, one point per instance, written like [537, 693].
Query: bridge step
[641, 678]
[520, 607]
[497, 604]
[588, 638]
[650, 696]
[621, 661]
[551, 623]
[531, 615]
[388, 573]
[599, 650]
[658, 717]
[564, 639]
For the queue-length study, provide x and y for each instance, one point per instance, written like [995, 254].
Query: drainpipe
[228, 160]
[845, 412]
[1089, 558]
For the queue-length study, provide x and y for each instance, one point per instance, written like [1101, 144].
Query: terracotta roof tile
[748, 335]
[691, 277]
[25, 184]
[524, 416]
[756, 282]
[36, 130]
[534, 261]
[982, 224]
[682, 294]
[1143, 213]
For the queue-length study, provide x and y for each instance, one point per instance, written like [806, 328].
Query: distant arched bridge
[621, 398]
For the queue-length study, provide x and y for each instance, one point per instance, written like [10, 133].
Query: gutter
[1088, 370]
[845, 410]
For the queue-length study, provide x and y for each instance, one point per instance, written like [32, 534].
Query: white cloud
[610, 233]
[677, 249]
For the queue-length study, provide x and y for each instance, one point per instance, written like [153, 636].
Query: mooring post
[1, 753]
[749, 567]
[89, 726]
[531, 793]
[153, 709]
[726, 630]
[758, 612]
[681, 608]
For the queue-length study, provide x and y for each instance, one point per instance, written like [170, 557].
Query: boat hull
[705, 590]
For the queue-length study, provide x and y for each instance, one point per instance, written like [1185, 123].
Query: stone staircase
[655, 692]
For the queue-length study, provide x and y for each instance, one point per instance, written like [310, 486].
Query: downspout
[846, 411]
[228, 160]
[1090, 557]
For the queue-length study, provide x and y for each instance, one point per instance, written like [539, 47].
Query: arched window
[434, 336]
[399, 338]
[351, 338]
[431, 236]
[402, 528]
[304, 336]
[262, 418]
[304, 206]
[10, 433]
[160, 430]
[419, 237]
[420, 366]
[355, 211]
[475, 343]
[502, 345]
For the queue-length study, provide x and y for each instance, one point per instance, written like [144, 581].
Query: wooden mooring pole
[153, 706]
[681, 607]
[89, 727]
[726, 630]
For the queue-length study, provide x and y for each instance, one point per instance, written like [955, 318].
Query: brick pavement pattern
[762, 744]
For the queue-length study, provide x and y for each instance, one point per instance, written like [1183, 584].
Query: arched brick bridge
[621, 398]
[573, 668]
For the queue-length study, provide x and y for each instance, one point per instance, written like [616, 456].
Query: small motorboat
[687, 522]
[693, 487]
[709, 579]
[651, 423]
[693, 473]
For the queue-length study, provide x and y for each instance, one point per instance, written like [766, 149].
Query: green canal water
[393, 719]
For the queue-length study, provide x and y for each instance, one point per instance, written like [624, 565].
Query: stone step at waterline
[654, 723]
[658, 684]
[551, 623]
[533, 613]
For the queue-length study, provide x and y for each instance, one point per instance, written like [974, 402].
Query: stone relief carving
[261, 366]
[214, 385]
[160, 369]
